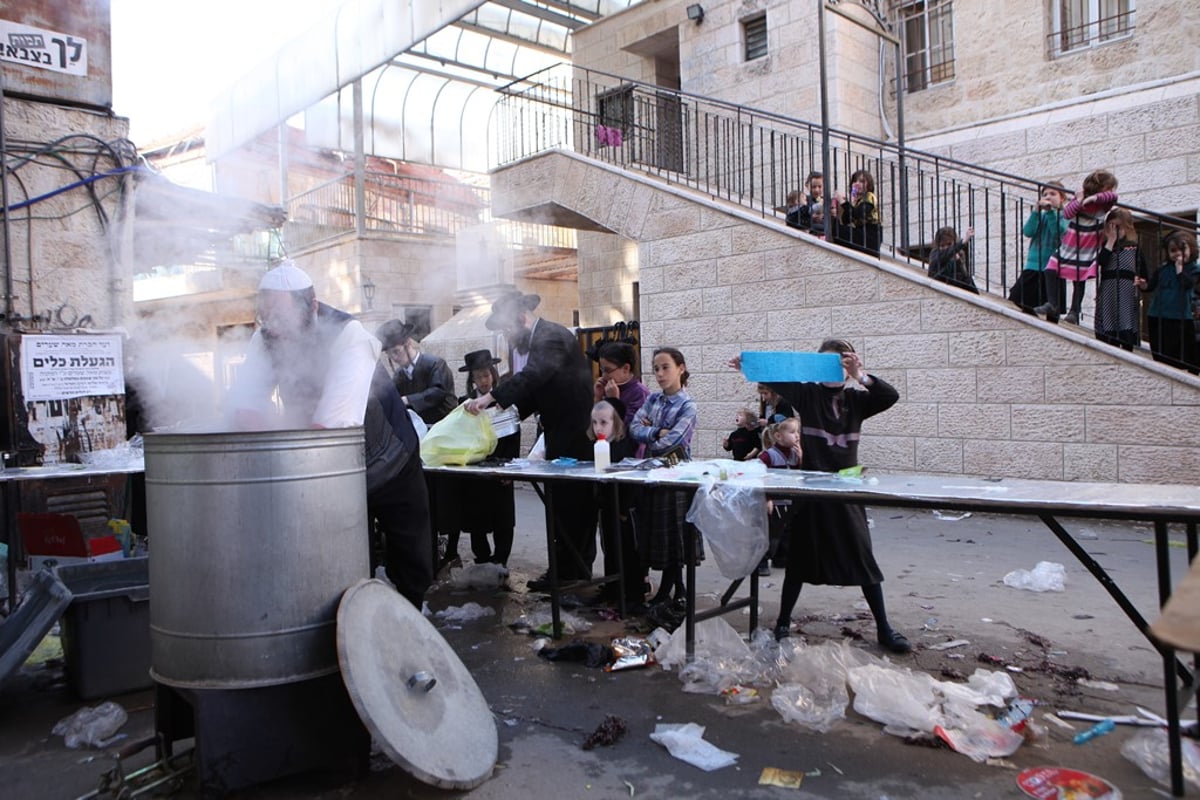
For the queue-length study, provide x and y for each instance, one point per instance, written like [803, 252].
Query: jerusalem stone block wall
[985, 390]
[1003, 66]
[712, 57]
[1148, 136]
[66, 260]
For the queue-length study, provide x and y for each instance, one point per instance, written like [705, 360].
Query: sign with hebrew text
[43, 49]
[63, 367]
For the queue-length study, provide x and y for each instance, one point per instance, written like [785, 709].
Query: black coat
[430, 390]
[557, 384]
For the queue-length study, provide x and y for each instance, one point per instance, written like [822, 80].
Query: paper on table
[766, 366]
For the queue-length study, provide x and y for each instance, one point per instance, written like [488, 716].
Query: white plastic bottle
[601, 456]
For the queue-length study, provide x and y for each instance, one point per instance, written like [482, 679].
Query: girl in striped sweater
[1076, 257]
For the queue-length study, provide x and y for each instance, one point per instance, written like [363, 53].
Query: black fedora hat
[506, 308]
[478, 359]
[394, 332]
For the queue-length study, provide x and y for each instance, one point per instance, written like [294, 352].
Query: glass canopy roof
[428, 72]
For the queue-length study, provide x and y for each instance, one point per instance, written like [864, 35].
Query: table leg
[552, 565]
[615, 536]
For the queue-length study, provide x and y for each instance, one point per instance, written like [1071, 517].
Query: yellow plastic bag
[458, 438]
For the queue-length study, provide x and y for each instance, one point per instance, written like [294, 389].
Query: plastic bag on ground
[458, 438]
[686, 742]
[733, 518]
[715, 639]
[1148, 749]
[478, 576]
[977, 736]
[896, 698]
[1047, 576]
[91, 727]
[815, 706]
[465, 613]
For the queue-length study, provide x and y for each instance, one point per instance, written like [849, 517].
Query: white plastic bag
[91, 727]
[1149, 750]
[815, 707]
[1047, 576]
[686, 742]
[733, 518]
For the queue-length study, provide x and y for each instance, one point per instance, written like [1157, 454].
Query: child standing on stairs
[1076, 257]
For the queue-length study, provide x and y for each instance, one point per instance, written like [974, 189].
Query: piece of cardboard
[45, 534]
[771, 366]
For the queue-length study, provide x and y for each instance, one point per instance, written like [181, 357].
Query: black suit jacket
[430, 390]
[557, 384]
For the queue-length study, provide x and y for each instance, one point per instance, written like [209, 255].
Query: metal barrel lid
[411, 690]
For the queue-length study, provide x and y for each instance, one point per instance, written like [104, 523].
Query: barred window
[1079, 24]
[928, 43]
[615, 108]
[755, 32]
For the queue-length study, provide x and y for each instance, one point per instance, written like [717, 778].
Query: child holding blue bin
[830, 542]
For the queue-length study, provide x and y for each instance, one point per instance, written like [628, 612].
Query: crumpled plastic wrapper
[630, 652]
[92, 727]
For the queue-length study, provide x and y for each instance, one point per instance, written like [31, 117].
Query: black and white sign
[37, 47]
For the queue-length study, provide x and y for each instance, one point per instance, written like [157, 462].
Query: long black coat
[557, 384]
[430, 390]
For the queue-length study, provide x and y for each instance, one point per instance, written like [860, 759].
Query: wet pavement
[944, 583]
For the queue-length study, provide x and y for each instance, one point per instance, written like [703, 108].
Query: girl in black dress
[830, 542]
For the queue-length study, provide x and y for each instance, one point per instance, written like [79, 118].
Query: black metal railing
[755, 158]
[402, 205]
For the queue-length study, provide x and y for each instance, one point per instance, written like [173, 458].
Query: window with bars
[1079, 24]
[928, 43]
[754, 31]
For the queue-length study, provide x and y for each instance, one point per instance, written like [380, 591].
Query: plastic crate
[21, 631]
[106, 628]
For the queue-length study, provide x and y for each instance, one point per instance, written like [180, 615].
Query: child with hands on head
[829, 542]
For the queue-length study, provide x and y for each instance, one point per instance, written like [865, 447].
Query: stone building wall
[64, 261]
[985, 390]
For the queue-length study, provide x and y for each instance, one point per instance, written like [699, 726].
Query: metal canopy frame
[423, 66]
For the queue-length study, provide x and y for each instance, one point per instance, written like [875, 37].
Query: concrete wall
[985, 390]
[65, 262]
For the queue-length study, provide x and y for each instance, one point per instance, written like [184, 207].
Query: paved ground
[944, 583]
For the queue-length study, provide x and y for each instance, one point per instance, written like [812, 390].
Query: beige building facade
[985, 390]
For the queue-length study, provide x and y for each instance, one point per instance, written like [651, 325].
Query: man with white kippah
[326, 369]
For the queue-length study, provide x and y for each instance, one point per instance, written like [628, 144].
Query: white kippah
[287, 277]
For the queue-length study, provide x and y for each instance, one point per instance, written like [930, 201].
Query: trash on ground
[91, 727]
[630, 652]
[539, 621]
[1046, 576]
[478, 576]
[1099, 729]
[950, 516]
[686, 742]
[1150, 751]
[740, 695]
[1104, 686]
[1056, 720]
[1051, 783]
[464, 613]
[784, 778]
[948, 645]
[607, 733]
[592, 654]
[715, 639]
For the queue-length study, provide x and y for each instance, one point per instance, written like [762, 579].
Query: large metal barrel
[253, 539]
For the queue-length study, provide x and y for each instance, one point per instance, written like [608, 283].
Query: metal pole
[360, 164]
[900, 147]
[828, 178]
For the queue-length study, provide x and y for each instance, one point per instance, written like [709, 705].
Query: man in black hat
[556, 383]
[424, 381]
[426, 385]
